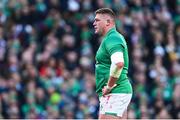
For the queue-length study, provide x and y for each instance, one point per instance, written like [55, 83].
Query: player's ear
[108, 21]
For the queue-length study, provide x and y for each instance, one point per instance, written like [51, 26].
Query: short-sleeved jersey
[112, 42]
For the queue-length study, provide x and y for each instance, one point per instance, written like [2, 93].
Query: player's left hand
[106, 91]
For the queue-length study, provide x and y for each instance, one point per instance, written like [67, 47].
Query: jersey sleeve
[114, 44]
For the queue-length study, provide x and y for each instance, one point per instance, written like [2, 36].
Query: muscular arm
[117, 64]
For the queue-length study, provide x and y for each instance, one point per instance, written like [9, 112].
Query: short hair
[107, 11]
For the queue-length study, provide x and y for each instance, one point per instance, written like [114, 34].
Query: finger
[114, 85]
[103, 95]
[104, 92]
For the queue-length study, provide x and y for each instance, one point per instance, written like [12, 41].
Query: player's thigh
[103, 116]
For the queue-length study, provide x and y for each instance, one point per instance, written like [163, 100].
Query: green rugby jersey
[112, 42]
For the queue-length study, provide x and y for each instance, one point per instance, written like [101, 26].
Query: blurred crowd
[47, 51]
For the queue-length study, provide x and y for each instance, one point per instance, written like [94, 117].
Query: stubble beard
[99, 31]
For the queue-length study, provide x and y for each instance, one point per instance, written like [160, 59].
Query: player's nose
[94, 23]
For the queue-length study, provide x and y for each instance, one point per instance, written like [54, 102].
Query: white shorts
[114, 104]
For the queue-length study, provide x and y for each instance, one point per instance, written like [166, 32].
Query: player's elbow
[120, 65]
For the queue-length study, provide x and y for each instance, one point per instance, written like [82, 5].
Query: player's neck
[107, 29]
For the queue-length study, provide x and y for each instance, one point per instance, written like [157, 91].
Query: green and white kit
[112, 42]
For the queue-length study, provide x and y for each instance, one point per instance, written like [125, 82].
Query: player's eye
[97, 20]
